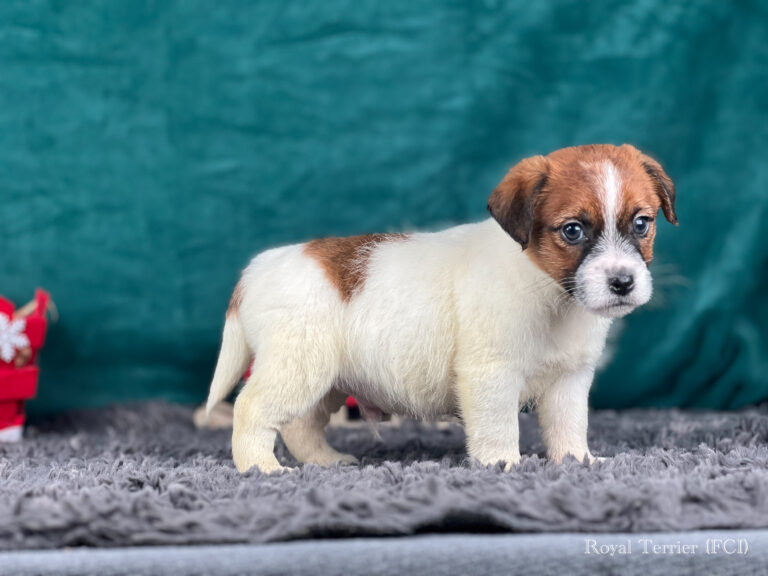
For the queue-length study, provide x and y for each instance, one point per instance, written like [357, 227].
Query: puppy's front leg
[490, 403]
[563, 412]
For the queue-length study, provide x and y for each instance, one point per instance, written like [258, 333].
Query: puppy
[477, 319]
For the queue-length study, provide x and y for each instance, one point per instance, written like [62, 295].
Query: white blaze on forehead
[609, 190]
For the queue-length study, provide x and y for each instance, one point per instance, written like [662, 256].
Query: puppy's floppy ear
[664, 186]
[512, 203]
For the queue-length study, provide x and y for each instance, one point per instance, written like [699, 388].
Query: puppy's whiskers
[539, 287]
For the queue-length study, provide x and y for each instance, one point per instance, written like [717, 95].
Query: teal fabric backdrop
[148, 149]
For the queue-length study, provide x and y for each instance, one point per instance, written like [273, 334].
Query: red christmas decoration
[22, 334]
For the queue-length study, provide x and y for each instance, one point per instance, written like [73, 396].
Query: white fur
[610, 195]
[612, 254]
[454, 321]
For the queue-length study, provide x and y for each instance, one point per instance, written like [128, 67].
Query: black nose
[621, 283]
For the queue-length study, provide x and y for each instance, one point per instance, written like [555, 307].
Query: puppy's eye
[640, 225]
[572, 232]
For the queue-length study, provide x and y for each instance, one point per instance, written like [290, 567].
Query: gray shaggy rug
[143, 475]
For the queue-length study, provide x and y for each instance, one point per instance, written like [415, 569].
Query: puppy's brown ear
[512, 203]
[664, 186]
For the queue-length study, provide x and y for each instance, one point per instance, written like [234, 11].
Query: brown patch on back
[345, 260]
[236, 300]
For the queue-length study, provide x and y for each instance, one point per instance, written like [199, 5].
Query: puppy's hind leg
[290, 377]
[305, 435]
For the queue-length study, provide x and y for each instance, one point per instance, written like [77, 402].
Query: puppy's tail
[233, 361]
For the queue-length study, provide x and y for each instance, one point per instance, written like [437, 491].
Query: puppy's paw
[595, 459]
[509, 462]
[329, 458]
[585, 457]
[347, 460]
[509, 465]
[267, 464]
[264, 468]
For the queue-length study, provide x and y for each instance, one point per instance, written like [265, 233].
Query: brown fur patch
[345, 260]
[570, 190]
[236, 300]
[639, 198]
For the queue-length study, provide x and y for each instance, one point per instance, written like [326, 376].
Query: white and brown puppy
[476, 320]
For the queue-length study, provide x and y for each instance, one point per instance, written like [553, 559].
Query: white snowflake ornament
[12, 337]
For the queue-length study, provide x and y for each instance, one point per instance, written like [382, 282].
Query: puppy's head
[587, 217]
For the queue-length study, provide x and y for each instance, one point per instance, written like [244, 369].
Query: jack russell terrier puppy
[478, 319]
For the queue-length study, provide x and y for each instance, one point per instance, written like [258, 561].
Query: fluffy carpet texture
[142, 475]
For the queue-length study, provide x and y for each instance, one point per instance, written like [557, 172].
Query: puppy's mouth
[614, 310]
[610, 308]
